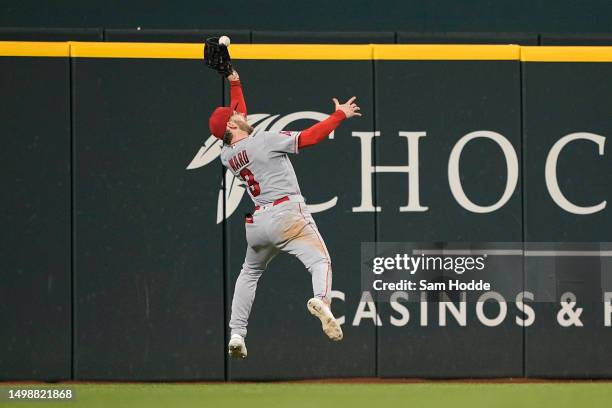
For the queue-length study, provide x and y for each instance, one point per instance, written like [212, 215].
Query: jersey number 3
[250, 180]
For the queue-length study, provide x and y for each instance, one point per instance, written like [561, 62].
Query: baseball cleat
[331, 327]
[236, 347]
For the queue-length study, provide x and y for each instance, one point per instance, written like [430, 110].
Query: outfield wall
[124, 234]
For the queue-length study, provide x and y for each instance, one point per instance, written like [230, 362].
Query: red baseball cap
[218, 121]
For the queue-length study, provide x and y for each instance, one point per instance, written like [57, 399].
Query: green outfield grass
[267, 395]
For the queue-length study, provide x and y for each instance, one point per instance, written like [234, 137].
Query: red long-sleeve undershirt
[237, 98]
[308, 137]
[318, 132]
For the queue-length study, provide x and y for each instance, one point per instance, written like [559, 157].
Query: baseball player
[281, 220]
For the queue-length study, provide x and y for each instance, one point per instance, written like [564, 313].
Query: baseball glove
[216, 56]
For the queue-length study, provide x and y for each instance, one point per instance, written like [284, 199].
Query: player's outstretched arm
[236, 97]
[318, 132]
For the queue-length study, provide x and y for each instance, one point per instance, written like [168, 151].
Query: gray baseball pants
[286, 227]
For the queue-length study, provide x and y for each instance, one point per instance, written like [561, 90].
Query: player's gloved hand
[349, 108]
[216, 56]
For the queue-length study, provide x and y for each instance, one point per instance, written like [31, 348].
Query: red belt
[280, 200]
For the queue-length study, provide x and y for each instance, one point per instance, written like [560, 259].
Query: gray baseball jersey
[261, 161]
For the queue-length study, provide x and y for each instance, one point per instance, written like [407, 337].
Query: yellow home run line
[34, 49]
[445, 52]
[301, 52]
[566, 54]
[136, 50]
[309, 51]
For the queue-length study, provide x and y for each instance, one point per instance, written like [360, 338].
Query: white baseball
[224, 40]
